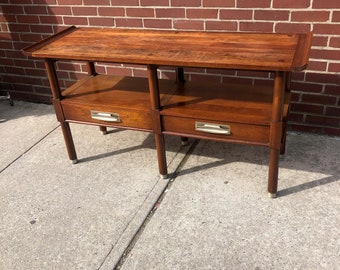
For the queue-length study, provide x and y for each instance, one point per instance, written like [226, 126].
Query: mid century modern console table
[248, 114]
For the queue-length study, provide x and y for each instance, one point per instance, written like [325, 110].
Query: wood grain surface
[250, 51]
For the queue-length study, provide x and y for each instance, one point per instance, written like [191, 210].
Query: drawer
[112, 101]
[107, 116]
[216, 130]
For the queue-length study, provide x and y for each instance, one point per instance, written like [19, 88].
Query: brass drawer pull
[212, 128]
[105, 116]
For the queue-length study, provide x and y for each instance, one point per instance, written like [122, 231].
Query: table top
[226, 50]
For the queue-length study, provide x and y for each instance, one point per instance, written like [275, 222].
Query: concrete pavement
[112, 210]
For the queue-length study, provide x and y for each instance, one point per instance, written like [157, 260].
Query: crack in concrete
[29, 149]
[140, 230]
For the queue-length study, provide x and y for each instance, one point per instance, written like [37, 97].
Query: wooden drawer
[107, 116]
[216, 130]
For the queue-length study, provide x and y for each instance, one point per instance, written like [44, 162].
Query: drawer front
[107, 116]
[216, 130]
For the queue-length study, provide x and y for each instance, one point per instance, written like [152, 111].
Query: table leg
[180, 81]
[56, 93]
[103, 130]
[160, 146]
[184, 141]
[91, 70]
[155, 114]
[287, 81]
[65, 127]
[180, 75]
[276, 133]
[273, 172]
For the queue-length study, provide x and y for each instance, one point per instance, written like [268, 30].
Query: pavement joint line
[30, 148]
[130, 222]
[140, 230]
[134, 216]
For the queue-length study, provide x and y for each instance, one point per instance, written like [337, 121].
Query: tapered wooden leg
[56, 93]
[181, 81]
[156, 119]
[283, 140]
[160, 146]
[91, 70]
[287, 81]
[65, 127]
[273, 172]
[276, 130]
[103, 130]
[184, 141]
[180, 75]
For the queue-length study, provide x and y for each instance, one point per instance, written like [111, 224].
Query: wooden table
[225, 112]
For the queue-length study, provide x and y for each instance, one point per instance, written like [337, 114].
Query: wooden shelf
[245, 109]
[129, 97]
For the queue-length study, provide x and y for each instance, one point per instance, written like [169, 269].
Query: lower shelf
[112, 101]
[234, 113]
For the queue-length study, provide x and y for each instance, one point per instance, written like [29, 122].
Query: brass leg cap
[271, 195]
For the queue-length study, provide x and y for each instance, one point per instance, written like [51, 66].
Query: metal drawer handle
[212, 128]
[105, 116]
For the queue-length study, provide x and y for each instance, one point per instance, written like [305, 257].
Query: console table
[237, 113]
